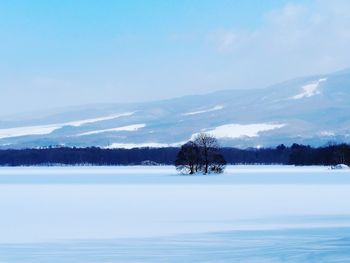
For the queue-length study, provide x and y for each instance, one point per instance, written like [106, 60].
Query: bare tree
[208, 146]
[201, 155]
[187, 159]
[218, 164]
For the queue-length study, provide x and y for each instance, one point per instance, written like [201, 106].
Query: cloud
[224, 40]
[296, 39]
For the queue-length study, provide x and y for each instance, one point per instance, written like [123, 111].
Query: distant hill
[311, 110]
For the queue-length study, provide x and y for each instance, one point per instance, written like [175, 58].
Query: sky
[61, 53]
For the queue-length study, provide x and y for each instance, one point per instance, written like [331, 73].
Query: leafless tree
[218, 164]
[208, 146]
[201, 155]
[187, 159]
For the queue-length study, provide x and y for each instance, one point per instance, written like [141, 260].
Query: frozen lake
[151, 214]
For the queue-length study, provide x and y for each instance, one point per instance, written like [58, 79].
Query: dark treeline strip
[296, 154]
[91, 156]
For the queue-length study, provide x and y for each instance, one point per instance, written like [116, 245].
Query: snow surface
[28, 130]
[327, 133]
[143, 145]
[223, 131]
[47, 129]
[340, 166]
[153, 214]
[310, 90]
[48, 204]
[218, 107]
[316, 245]
[133, 127]
[240, 130]
[106, 118]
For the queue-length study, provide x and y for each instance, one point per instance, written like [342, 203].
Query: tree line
[294, 155]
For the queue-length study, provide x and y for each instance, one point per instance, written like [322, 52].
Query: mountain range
[312, 110]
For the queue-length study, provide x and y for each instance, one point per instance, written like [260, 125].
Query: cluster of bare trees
[202, 155]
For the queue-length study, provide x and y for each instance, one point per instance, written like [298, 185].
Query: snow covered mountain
[312, 110]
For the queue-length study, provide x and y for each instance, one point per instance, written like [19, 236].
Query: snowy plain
[153, 214]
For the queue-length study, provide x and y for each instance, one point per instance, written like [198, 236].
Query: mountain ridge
[310, 110]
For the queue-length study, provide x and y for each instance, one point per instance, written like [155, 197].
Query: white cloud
[295, 40]
[224, 40]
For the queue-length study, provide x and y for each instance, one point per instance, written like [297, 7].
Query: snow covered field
[151, 214]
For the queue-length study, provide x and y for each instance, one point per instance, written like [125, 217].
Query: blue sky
[63, 52]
